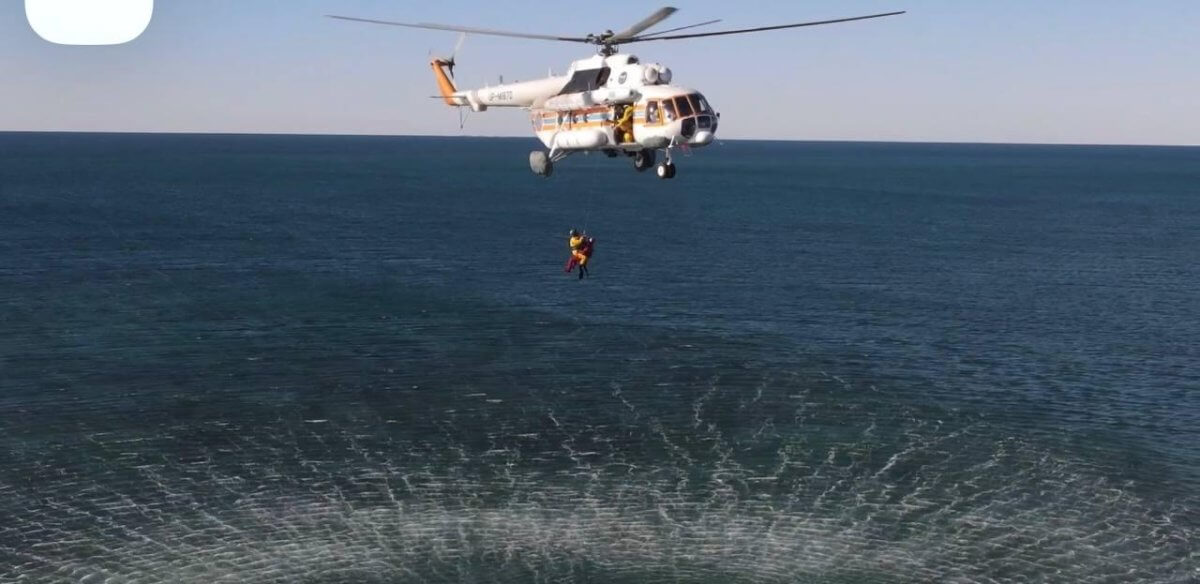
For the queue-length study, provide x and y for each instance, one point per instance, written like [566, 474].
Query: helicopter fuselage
[663, 116]
[612, 103]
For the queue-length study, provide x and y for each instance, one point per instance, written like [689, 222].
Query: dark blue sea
[357, 359]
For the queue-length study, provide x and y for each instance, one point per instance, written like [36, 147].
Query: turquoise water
[336, 359]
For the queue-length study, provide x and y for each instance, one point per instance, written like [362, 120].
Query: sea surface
[357, 359]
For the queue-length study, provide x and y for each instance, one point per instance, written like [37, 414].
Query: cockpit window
[700, 103]
[685, 107]
[669, 110]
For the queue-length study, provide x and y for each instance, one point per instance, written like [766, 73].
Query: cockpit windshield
[700, 103]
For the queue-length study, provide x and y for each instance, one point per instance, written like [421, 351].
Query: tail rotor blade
[462, 36]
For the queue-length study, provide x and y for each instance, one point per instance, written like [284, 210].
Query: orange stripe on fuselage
[445, 86]
[609, 123]
[591, 110]
[553, 115]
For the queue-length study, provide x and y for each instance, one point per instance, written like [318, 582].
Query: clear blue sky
[1063, 71]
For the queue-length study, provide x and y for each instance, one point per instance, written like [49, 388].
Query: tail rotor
[449, 61]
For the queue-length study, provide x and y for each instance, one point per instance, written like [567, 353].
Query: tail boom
[522, 94]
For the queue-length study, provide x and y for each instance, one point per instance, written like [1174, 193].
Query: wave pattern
[788, 479]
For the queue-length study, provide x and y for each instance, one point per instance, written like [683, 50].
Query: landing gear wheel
[540, 164]
[666, 170]
[643, 159]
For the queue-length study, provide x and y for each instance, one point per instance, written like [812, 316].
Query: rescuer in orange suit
[581, 249]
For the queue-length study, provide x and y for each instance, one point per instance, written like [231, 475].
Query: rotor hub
[604, 43]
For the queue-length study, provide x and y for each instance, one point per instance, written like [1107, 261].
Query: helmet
[574, 233]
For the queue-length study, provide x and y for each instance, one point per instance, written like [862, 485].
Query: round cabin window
[621, 79]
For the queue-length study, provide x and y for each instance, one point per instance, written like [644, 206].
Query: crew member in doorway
[624, 125]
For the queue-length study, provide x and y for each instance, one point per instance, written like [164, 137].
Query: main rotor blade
[468, 29]
[759, 29]
[659, 15]
[662, 32]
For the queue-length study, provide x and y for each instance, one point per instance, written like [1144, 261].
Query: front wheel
[666, 170]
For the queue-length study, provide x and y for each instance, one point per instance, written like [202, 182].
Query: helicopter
[610, 102]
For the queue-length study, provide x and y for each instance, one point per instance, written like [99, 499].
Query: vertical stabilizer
[445, 85]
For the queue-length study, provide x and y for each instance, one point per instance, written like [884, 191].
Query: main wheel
[666, 170]
[643, 159]
[540, 164]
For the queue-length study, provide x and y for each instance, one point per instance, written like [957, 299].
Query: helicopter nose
[704, 130]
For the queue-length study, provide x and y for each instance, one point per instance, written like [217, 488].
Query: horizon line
[474, 136]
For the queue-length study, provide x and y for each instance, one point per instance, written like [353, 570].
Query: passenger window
[652, 112]
[685, 108]
[669, 110]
